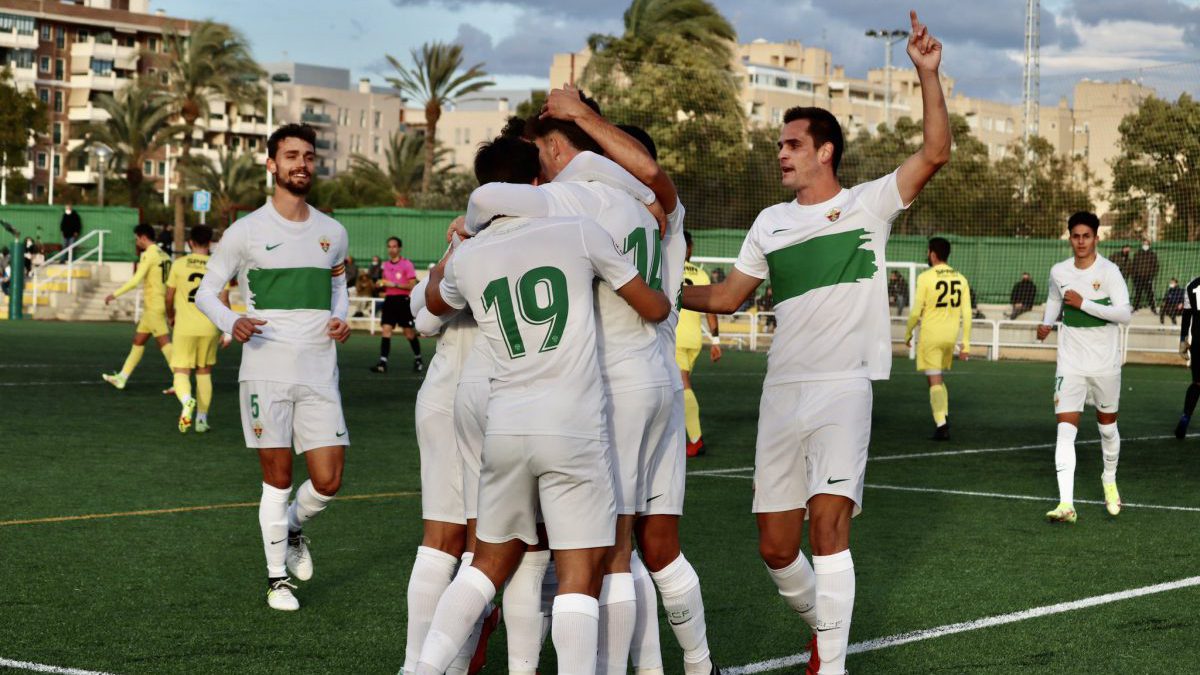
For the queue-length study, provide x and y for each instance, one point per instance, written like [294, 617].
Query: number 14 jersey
[528, 282]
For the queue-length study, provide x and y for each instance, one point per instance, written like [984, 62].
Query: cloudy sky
[1107, 39]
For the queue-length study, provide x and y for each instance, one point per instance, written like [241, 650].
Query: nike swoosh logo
[679, 623]
[340, 434]
[650, 499]
[270, 248]
[834, 482]
[822, 630]
[782, 229]
[279, 542]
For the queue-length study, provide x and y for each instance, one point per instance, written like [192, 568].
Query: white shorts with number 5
[283, 415]
[1073, 392]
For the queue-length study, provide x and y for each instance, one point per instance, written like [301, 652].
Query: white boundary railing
[368, 307]
[71, 259]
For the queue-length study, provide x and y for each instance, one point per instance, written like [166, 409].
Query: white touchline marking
[1014, 448]
[38, 384]
[976, 624]
[719, 472]
[43, 668]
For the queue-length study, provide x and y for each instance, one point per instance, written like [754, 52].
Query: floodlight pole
[889, 37]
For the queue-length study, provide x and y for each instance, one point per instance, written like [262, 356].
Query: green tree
[1157, 167]
[537, 99]
[22, 118]
[1047, 188]
[233, 179]
[434, 79]
[212, 61]
[449, 191]
[696, 22]
[403, 168]
[138, 126]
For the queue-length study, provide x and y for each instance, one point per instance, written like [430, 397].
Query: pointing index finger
[912, 15]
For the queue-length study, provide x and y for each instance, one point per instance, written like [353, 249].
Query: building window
[60, 37]
[58, 134]
[235, 142]
[467, 136]
[56, 171]
[21, 25]
[41, 160]
[376, 139]
[82, 35]
[60, 69]
[58, 101]
[458, 136]
[162, 168]
[152, 44]
[362, 118]
[44, 94]
[39, 190]
[44, 64]
[148, 168]
[378, 119]
[102, 67]
[781, 82]
[45, 33]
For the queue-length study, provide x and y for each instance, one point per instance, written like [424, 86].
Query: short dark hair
[301, 131]
[507, 159]
[687, 237]
[822, 126]
[1084, 218]
[514, 126]
[639, 134]
[201, 234]
[537, 127]
[940, 247]
[144, 230]
[398, 242]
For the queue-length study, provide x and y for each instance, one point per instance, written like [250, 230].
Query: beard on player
[297, 181]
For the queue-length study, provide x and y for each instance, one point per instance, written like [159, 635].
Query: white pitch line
[43, 668]
[976, 624]
[40, 384]
[1014, 448]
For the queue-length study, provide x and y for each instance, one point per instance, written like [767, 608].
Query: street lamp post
[281, 78]
[103, 152]
[889, 37]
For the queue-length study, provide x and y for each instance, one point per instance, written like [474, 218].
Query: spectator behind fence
[5, 270]
[70, 225]
[1143, 271]
[1122, 261]
[1024, 294]
[717, 276]
[351, 269]
[766, 303]
[375, 271]
[1172, 302]
[897, 292]
[32, 251]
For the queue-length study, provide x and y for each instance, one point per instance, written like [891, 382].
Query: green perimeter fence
[991, 264]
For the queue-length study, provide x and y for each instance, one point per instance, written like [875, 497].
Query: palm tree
[212, 61]
[434, 80]
[138, 126]
[232, 179]
[698, 22]
[403, 168]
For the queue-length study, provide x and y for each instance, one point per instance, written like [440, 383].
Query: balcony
[22, 77]
[249, 128]
[316, 118]
[92, 81]
[14, 40]
[125, 58]
[323, 171]
[83, 177]
[323, 144]
[88, 113]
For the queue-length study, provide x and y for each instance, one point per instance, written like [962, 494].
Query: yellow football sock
[166, 352]
[203, 391]
[183, 387]
[939, 401]
[691, 414]
[131, 361]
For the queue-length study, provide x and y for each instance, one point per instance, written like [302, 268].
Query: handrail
[69, 252]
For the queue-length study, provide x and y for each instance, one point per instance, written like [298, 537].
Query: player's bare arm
[722, 298]
[434, 302]
[620, 147]
[714, 330]
[650, 304]
[926, 54]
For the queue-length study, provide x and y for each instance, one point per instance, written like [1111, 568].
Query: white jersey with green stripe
[1089, 341]
[826, 267]
[529, 283]
[292, 276]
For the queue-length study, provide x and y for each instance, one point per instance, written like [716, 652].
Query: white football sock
[835, 606]
[457, 613]
[549, 591]
[1064, 462]
[523, 612]
[432, 572]
[680, 588]
[645, 651]
[272, 518]
[462, 662]
[307, 504]
[797, 583]
[1110, 447]
[576, 633]
[618, 614]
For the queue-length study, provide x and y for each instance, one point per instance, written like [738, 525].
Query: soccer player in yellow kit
[195, 337]
[153, 267]
[688, 341]
[942, 299]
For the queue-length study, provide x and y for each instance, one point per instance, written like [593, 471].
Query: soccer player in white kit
[824, 253]
[1096, 301]
[529, 283]
[289, 260]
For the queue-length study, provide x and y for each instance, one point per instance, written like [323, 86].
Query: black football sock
[1189, 402]
[385, 348]
[416, 346]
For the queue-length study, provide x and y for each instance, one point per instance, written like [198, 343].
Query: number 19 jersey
[529, 283]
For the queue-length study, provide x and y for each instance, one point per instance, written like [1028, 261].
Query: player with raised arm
[399, 278]
[1189, 346]
[289, 259]
[689, 339]
[1096, 301]
[528, 282]
[943, 299]
[824, 252]
[195, 337]
[657, 525]
[152, 270]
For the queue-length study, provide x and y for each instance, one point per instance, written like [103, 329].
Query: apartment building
[471, 120]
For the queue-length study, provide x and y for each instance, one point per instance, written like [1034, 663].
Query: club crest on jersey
[325, 244]
[1096, 285]
[258, 429]
[833, 214]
